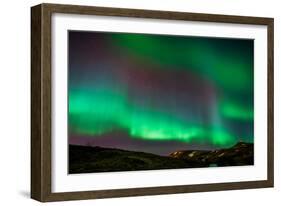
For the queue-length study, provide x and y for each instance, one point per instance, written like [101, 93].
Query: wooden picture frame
[41, 116]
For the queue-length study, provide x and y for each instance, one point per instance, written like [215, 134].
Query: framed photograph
[130, 102]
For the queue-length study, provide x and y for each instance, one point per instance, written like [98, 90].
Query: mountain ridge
[88, 159]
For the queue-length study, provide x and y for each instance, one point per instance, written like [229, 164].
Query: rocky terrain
[88, 159]
[240, 154]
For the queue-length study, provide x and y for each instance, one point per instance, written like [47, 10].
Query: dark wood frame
[41, 101]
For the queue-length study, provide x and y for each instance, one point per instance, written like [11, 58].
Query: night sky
[159, 93]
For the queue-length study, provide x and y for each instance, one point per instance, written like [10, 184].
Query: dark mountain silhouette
[88, 159]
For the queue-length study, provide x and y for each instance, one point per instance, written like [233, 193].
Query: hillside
[87, 159]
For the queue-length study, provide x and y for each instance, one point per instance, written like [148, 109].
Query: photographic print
[149, 102]
[129, 102]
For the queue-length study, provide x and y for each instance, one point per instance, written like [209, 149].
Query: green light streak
[94, 112]
[236, 111]
[225, 68]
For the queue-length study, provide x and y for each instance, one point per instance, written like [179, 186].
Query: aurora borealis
[159, 93]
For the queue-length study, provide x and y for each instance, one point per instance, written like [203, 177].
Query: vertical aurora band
[161, 88]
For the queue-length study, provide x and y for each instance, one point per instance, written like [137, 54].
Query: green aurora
[102, 100]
